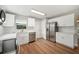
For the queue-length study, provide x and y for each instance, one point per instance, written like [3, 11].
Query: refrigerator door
[52, 32]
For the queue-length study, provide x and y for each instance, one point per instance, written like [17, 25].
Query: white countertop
[66, 32]
[8, 36]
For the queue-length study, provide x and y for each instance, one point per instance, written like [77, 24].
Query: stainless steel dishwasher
[32, 36]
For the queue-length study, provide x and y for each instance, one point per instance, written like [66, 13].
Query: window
[21, 24]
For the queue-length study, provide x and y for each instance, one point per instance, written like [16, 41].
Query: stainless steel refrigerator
[51, 29]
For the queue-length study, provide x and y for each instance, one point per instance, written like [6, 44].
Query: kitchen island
[24, 37]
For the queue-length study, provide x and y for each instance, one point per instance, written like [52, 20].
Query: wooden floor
[46, 47]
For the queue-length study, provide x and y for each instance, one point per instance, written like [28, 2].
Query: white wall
[38, 28]
[67, 29]
[19, 17]
[8, 30]
[43, 28]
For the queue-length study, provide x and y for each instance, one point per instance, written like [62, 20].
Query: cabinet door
[26, 38]
[22, 38]
[59, 21]
[65, 39]
[31, 22]
[10, 20]
[67, 20]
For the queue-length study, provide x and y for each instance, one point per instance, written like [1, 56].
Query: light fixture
[37, 12]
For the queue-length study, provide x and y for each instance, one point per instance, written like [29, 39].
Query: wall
[20, 17]
[8, 29]
[67, 29]
[38, 28]
[43, 28]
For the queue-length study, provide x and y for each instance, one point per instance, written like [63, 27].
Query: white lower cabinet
[66, 39]
[22, 38]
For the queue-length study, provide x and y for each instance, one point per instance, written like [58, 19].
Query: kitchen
[23, 29]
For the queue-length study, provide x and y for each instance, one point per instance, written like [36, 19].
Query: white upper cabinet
[67, 20]
[10, 20]
[31, 22]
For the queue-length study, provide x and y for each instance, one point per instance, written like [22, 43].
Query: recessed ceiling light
[37, 12]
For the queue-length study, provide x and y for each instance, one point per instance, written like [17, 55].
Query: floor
[46, 47]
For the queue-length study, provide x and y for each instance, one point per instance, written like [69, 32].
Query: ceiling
[49, 10]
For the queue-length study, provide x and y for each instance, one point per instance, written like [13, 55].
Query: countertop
[8, 36]
[67, 33]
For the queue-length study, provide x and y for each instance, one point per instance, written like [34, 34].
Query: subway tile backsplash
[8, 30]
[68, 29]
